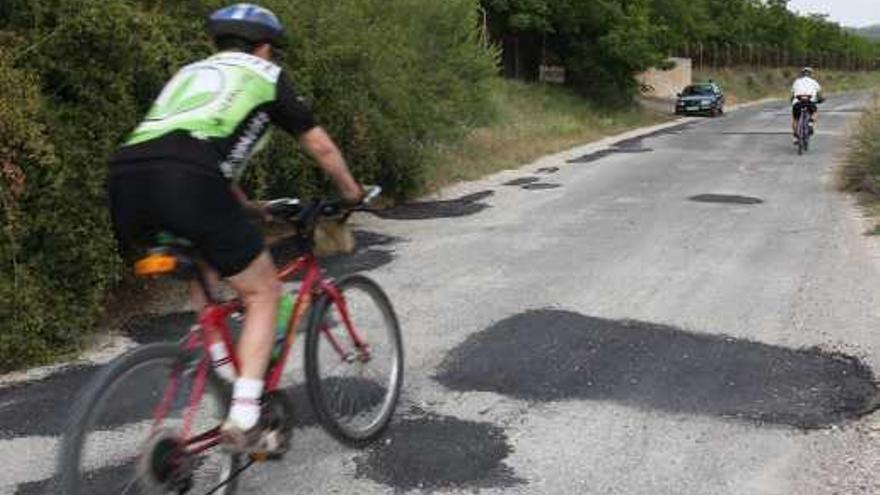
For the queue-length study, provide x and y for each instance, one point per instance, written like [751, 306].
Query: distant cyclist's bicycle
[803, 124]
[149, 423]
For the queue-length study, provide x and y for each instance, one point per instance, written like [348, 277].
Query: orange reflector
[155, 265]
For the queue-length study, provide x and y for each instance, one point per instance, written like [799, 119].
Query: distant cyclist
[178, 169]
[809, 89]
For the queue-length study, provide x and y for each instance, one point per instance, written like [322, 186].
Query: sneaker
[796, 141]
[257, 440]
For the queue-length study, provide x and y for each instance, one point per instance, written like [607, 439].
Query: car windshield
[703, 90]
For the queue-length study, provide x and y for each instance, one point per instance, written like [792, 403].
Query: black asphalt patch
[37, 487]
[436, 452]
[550, 355]
[40, 408]
[633, 150]
[107, 479]
[631, 145]
[521, 181]
[427, 210]
[638, 142]
[540, 186]
[756, 133]
[726, 198]
[593, 157]
[547, 170]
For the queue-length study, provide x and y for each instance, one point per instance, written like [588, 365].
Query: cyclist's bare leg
[259, 289]
[198, 298]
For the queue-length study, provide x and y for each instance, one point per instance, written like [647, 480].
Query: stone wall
[658, 83]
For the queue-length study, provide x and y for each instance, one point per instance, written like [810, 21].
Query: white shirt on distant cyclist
[805, 86]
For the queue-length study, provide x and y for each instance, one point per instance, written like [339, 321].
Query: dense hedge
[77, 74]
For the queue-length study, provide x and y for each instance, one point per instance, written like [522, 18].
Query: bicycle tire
[92, 400]
[316, 386]
[803, 133]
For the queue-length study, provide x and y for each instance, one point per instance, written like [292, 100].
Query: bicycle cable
[231, 477]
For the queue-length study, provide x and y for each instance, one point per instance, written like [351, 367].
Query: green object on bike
[285, 312]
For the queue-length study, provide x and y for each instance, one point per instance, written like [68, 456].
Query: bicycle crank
[164, 464]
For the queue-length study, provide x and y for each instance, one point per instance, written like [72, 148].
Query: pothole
[631, 145]
[438, 452]
[521, 181]
[540, 186]
[40, 408]
[550, 355]
[726, 198]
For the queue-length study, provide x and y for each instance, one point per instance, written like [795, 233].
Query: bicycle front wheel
[125, 434]
[354, 373]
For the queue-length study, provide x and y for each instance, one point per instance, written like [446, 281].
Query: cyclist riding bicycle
[809, 89]
[178, 171]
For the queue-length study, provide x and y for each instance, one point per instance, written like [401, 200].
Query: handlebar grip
[372, 193]
[283, 206]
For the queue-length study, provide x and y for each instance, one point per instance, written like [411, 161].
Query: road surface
[692, 312]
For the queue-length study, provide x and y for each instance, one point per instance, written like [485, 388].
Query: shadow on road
[427, 210]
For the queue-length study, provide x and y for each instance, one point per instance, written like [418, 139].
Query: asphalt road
[692, 312]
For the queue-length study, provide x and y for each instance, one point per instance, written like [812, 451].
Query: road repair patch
[726, 198]
[521, 181]
[437, 452]
[551, 355]
[540, 186]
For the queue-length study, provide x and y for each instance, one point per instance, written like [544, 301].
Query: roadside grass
[531, 120]
[744, 84]
[860, 173]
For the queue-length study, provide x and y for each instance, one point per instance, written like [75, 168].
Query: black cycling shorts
[189, 202]
[796, 109]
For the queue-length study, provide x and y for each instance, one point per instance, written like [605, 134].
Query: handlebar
[293, 210]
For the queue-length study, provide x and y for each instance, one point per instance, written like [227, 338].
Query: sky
[856, 13]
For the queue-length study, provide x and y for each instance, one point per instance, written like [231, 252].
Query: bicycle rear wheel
[353, 390]
[803, 133]
[115, 444]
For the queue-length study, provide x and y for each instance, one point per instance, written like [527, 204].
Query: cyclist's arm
[327, 155]
[291, 113]
[256, 207]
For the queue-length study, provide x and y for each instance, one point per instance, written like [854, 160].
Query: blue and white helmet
[246, 21]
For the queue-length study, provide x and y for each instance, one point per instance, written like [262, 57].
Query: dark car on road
[704, 98]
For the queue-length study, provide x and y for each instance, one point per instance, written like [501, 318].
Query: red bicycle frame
[212, 325]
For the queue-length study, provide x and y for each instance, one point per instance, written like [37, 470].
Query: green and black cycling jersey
[216, 114]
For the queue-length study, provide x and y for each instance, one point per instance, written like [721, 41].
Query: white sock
[221, 361]
[245, 410]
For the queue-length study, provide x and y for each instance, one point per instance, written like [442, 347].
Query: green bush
[27, 165]
[78, 74]
[387, 82]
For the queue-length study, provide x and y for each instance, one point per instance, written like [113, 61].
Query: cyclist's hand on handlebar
[353, 196]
